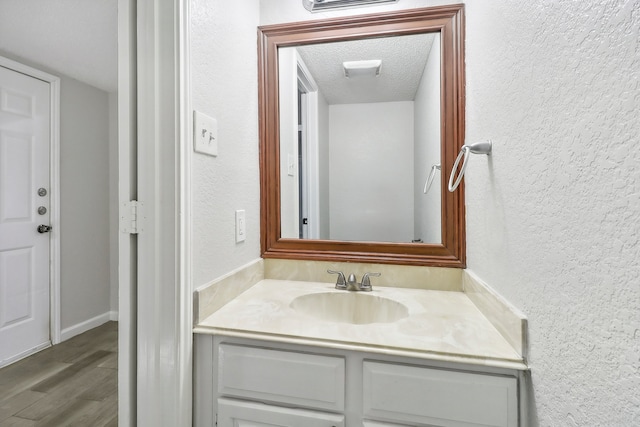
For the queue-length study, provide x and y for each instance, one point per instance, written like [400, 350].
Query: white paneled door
[24, 206]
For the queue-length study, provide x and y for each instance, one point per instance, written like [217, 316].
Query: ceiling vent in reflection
[367, 68]
[318, 5]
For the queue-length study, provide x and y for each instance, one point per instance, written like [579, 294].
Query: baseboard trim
[94, 322]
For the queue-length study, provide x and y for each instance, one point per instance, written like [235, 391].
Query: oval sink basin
[350, 307]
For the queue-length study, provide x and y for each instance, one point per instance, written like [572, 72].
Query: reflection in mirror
[347, 158]
[356, 148]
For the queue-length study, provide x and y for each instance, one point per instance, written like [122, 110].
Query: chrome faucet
[351, 284]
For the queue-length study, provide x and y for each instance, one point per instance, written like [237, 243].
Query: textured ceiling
[403, 60]
[73, 37]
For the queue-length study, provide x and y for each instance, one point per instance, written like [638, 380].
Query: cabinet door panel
[233, 413]
[438, 397]
[285, 377]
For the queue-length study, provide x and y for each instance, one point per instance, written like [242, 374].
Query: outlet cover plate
[241, 226]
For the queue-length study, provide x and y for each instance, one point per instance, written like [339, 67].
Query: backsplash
[211, 297]
[397, 276]
[507, 319]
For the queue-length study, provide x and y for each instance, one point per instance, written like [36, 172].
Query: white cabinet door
[235, 413]
[282, 377]
[439, 397]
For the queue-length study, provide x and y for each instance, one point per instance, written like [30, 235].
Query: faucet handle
[366, 282]
[341, 283]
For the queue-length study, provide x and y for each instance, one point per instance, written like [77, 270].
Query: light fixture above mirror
[279, 46]
[319, 5]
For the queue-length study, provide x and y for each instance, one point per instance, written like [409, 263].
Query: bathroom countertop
[442, 325]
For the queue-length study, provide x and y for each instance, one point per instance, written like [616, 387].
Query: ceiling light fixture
[318, 5]
[366, 68]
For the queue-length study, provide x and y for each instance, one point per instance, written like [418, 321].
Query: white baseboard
[79, 328]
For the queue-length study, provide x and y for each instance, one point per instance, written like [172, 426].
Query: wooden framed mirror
[336, 187]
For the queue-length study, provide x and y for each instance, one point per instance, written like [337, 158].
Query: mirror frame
[449, 21]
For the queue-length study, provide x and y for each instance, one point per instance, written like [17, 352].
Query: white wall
[323, 167]
[428, 216]
[552, 215]
[114, 224]
[224, 84]
[84, 205]
[371, 171]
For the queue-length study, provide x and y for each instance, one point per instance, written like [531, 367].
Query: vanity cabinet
[262, 383]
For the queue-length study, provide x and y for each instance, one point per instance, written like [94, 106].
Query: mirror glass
[359, 136]
[355, 114]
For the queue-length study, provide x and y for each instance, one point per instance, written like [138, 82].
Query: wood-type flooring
[74, 383]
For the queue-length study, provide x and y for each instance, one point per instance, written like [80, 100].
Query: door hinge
[216, 419]
[132, 217]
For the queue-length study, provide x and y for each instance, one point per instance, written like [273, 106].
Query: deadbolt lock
[42, 210]
[42, 192]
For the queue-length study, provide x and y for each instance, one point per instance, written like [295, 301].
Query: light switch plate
[205, 134]
[241, 227]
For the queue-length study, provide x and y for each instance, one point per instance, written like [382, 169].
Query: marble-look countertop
[442, 325]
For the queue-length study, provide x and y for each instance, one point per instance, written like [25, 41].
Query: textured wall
[552, 216]
[224, 75]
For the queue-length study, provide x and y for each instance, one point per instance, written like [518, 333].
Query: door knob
[44, 228]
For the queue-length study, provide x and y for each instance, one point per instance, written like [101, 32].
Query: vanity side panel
[203, 377]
